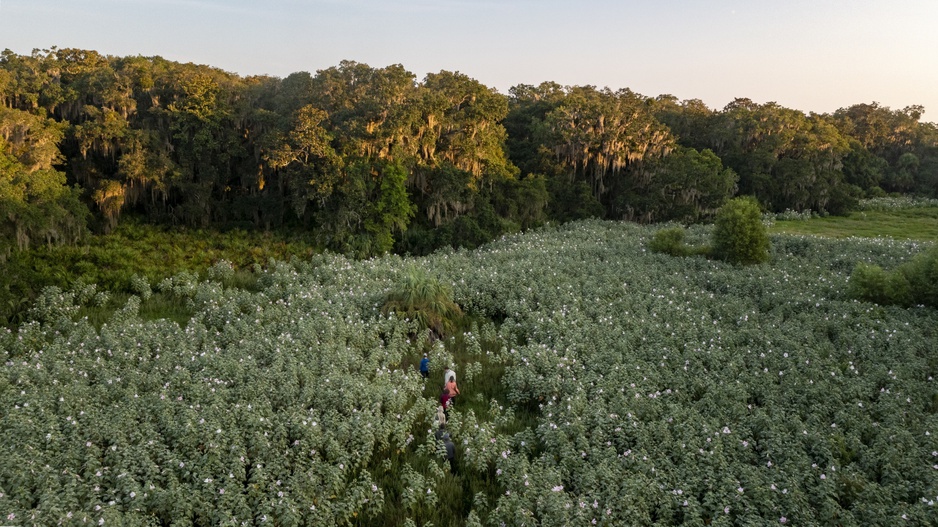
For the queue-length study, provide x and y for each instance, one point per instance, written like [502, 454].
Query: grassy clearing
[920, 223]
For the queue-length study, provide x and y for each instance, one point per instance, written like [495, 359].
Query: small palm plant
[425, 299]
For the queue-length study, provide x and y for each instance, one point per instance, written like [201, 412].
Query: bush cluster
[913, 283]
[739, 236]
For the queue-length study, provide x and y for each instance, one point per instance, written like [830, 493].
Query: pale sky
[809, 55]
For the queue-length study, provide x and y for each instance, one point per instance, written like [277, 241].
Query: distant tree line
[372, 160]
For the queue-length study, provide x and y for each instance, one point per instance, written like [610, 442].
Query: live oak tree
[36, 204]
[193, 145]
[685, 186]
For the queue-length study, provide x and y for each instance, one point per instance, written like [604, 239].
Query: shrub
[922, 274]
[669, 241]
[425, 299]
[869, 282]
[913, 283]
[221, 271]
[739, 235]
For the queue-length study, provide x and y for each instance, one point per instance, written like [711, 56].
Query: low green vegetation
[912, 283]
[910, 223]
[424, 299]
[671, 241]
[600, 381]
[137, 251]
[738, 236]
[201, 361]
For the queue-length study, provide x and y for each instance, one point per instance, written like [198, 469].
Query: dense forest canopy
[371, 159]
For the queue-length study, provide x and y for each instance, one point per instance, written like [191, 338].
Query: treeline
[371, 160]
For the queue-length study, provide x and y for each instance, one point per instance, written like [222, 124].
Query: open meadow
[601, 384]
[906, 223]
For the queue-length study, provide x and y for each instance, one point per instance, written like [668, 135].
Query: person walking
[425, 366]
[451, 386]
[440, 432]
[445, 402]
[450, 453]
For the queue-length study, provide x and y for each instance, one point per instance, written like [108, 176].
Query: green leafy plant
[425, 299]
[739, 235]
[618, 386]
[669, 241]
[913, 283]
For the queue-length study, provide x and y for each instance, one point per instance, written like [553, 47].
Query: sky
[809, 55]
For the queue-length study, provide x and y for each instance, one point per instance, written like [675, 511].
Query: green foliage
[888, 218]
[572, 202]
[669, 241]
[739, 236]
[912, 283]
[135, 256]
[686, 186]
[184, 144]
[36, 204]
[892, 203]
[392, 211]
[618, 386]
[422, 298]
[869, 282]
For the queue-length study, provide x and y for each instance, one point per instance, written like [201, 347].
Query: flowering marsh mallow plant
[635, 388]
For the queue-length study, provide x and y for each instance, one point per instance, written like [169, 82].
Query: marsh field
[601, 384]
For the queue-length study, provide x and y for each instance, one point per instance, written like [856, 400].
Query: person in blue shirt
[425, 366]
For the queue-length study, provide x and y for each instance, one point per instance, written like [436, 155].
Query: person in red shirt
[445, 401]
